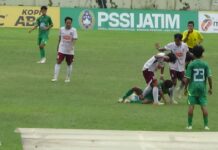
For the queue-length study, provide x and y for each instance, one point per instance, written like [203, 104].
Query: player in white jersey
[154, 63]
[177, 69]
[67, 38]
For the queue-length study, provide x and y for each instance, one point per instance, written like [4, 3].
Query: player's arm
[35, 26]
[59, 40]
[162, 97]
[186, 80]
[157, 46]
[75, 37]
[50, 25]
[200, 38]
[186, 35]
[210, 85]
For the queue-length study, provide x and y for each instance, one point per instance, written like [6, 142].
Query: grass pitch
[107, 63]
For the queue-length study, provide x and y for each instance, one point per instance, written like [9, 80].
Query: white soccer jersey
[152, 64]
[66, 44]
[180, 52]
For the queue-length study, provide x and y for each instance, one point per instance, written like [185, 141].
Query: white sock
[155, 94]
[147, 90]
[57, 70]
[180, 88]
[69, 71]
[173, 92]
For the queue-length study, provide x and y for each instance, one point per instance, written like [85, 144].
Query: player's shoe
[206, 128]
[120, 100]
[173, 102]
[189, 127]
[67, 80]
[54, 80]
[158, 103]
[126, 100]
[42, 61]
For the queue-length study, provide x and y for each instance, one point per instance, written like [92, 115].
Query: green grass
[107, 64]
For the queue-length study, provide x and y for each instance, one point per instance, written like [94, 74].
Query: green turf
[107, 63]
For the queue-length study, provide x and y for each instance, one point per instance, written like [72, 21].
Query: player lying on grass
[180, 49]
[135, 94]
[154, 63]
[196, 77]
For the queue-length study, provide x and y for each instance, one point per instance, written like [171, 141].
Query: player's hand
[157, 45]
[46, 28]
[185, 92]
[161, 77]
[210, 91]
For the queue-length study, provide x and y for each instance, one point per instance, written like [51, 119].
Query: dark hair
[178, 36]
[168, 84]
[137, 90]
[191, 22]
[68, 18]
[44, 8]
[172, 57]
[198, 51]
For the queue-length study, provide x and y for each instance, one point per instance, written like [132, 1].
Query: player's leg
[191, 101]
[180, 76]
[173, 75]
[203, 103]
[69, 60]
[155, 92]
[42, 50]
[60, 58]
[148, 76]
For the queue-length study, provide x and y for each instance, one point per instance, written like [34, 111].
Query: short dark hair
[198, 50]
[191, 22]
[44, 8]
[172, 57]
[168, 84]
[178, 36]
[68, 18]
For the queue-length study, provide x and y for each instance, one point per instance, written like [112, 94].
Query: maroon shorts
[176, 75]
[148, 76]
[61, 56]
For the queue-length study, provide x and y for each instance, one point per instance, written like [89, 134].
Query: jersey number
[199, 75]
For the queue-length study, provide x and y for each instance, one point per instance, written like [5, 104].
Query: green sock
[128, 94]
[190, 120]
[205, 120]
[42, 52]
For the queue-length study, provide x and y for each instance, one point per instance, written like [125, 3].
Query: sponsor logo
[27, 17]
[206, 22]
[87, 19]
[139, 21]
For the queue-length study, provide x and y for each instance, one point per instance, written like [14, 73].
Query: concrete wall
[135, 4]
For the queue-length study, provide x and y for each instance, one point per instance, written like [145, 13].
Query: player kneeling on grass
[196, 76]
[67, 38]
[135, 94]
[149, 68]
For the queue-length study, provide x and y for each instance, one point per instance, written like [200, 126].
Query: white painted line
[67, 139]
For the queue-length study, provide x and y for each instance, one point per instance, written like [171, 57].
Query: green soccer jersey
[197, 73]
[42, 22]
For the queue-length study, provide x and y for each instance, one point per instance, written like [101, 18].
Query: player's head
[191, 25]
[168, 84]
[198, 51]
[178, 38]
[171, 58]
[44, 10]
[68, 22]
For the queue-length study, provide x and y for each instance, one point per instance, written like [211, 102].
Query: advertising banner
[208, 21]
[24, 16]
[132, 20]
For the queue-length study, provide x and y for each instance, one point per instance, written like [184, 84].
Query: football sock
[128, 94]
[205, 120]
[42, 52]
[147, 89]
[69, 70]
[57, 70]
[155, 94]
[190, 120]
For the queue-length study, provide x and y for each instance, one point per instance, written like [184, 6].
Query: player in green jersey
[44, 23]
[196, 78]
[135, 94]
